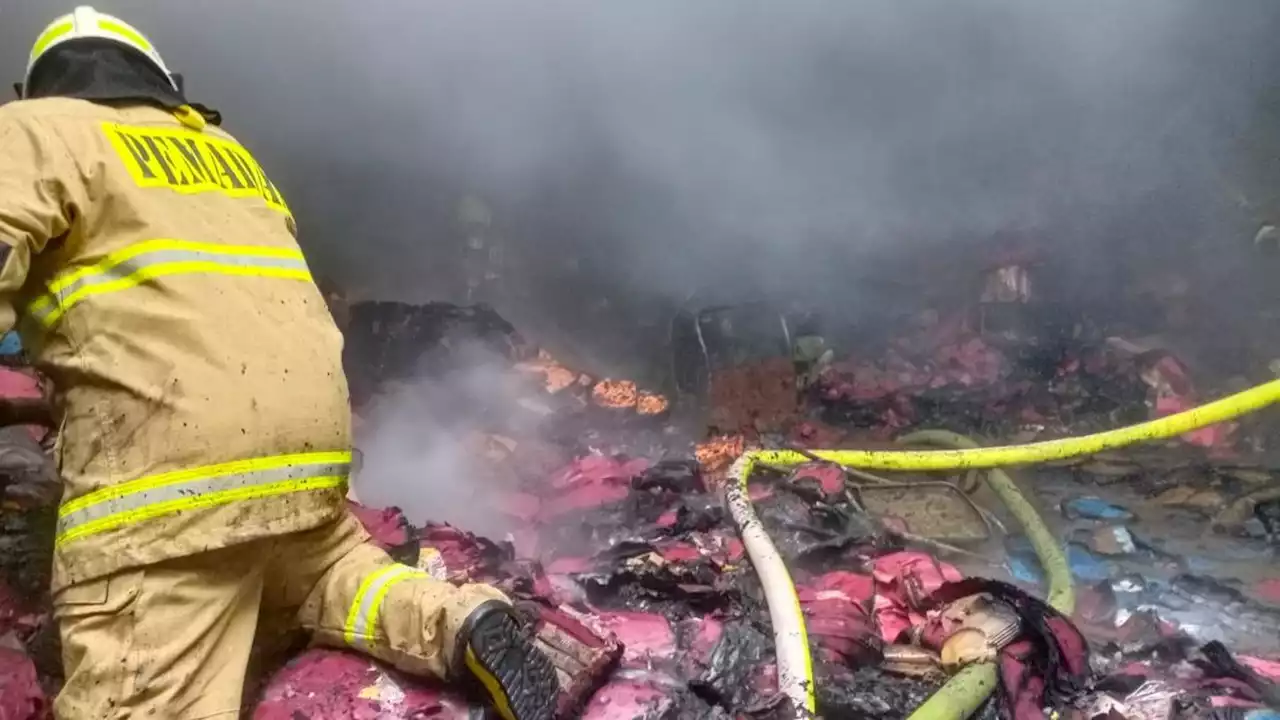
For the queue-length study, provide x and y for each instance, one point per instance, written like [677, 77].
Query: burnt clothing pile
[948, 375]
[618, 531]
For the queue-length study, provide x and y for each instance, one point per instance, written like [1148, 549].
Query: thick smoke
[652, 149]
[429, 446]
[851, 153]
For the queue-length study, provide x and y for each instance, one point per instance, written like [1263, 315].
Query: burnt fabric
[1047, 666]
[582, 658]
[163, 293]
[173, 639]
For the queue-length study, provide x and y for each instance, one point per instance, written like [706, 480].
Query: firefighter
[152, 268]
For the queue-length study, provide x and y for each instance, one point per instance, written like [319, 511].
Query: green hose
[965, 693]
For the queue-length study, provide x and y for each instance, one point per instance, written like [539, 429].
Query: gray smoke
[853, 153]
[661, 147]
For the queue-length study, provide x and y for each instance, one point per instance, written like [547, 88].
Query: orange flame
[651, 404]
[615, 394]
[719, 452]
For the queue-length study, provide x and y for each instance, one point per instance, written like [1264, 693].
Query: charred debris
[616, 527]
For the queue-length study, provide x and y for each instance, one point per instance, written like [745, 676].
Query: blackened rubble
[618, 529]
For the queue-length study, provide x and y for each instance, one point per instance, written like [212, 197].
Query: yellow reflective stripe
[197, 502]
[175, 477]
[47, 37]
[362, 619]
[151, 273]
[151, 259]
[127, 32]
[62, 280]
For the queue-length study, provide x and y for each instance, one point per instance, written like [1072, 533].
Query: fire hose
[968, 689]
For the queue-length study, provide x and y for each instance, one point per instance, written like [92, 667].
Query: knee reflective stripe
[151, 259]
[362, 619]
[203, 487]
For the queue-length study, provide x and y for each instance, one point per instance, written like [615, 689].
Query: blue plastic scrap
[1094, 508]
[1085, 565]
[10, 344]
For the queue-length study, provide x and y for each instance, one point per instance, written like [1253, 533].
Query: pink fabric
[463, 553]
[334, 685]
[1269, 669]
[836, 607]
[19, 384]
[626, 700]
[645, 636]
[1176, 393]
[588, 482]
[829, 477]
[20, 695]
[1269, 590]
[904, 581]
[23, 384]
[388, 526]
[1222, 701]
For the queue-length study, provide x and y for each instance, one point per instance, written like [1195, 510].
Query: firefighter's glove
[496, 649]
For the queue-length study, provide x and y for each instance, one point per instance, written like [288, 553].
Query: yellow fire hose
[965, 692]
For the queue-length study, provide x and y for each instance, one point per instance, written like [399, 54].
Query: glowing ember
[651, 404]
[615, 394]
[719, 453]
[556, 377]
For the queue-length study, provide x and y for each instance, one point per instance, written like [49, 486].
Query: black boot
[496, 649]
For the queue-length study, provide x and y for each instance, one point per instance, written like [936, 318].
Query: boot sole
[520, 679]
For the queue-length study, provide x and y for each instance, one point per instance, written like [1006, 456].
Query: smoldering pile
[619, 527]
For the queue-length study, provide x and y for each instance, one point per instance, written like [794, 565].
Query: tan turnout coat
[153, 271]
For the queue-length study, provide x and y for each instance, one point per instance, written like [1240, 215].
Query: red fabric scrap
[1269, 669]
[836, 613]
[466, 557]
[828, 477]
[904, 580]
[668, 519]
[23, 384]
[333, 685]
[589, 482]
[1174, 393]
[911, 577]
[1023, 687]
[645, 636]
[627, 700]
[20, 695]
[679, 552]
[717, 547]
[1269, 590]
[1222, 701]
[389, 527]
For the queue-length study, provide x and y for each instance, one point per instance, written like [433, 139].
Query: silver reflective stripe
[194, 488]
[139, 262]
[370, 599]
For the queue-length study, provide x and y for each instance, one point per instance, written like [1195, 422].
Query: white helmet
[85, 22]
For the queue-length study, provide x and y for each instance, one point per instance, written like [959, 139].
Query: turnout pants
[173, 640]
